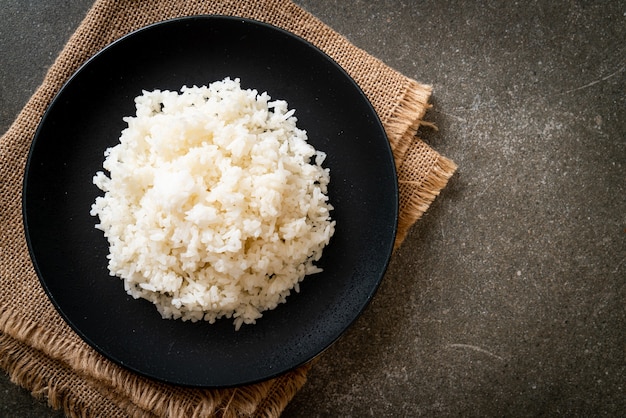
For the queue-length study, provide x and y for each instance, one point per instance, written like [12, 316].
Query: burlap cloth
[41, 353]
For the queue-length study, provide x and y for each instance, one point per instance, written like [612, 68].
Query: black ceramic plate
[85, 118]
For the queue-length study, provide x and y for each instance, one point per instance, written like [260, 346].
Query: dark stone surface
[508, 296]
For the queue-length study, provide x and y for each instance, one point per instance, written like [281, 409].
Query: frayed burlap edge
[34, 358]
[419, 194]
[47, 380]
[406, 119]
[417, 191]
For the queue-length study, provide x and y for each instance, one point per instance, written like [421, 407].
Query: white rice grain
[215, 205]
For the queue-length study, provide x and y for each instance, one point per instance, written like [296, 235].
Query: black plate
[85, 118]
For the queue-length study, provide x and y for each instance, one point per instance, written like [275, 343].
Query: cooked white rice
[214, 205]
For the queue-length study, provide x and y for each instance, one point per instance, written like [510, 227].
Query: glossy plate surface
[85, 118]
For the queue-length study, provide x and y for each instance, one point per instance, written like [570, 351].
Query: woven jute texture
[41, 353]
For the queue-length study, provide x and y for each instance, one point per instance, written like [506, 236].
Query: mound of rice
[215, 205]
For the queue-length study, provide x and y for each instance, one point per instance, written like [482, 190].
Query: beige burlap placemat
[41, 353]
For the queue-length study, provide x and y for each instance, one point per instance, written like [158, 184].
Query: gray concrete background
[508, 297]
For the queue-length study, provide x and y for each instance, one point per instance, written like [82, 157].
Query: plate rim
[120, 41]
